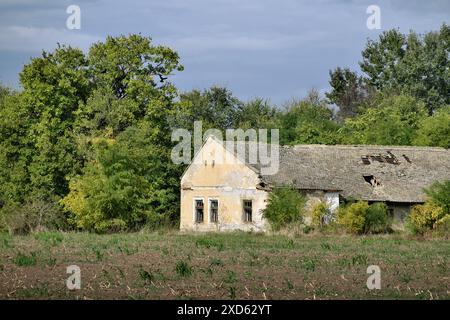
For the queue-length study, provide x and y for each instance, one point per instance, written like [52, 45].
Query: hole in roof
[382, 158]
[406, 158]
[370, 179]
[365, 160]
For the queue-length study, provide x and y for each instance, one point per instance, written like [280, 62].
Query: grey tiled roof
[374, 173]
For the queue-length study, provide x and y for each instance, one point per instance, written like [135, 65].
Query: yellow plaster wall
[215, 174]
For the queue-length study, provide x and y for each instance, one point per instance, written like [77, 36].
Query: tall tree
[305, 122]
[348, 92]
[129, 74]
[414, 65]
[53, 87]
[216, 107]
[434, 131]
[124, 128]
[394, 120]
[16, 148]
[256, 114]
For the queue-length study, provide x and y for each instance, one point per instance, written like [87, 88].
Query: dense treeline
[86, 142]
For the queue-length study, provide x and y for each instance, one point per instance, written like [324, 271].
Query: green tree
[128, 184]
[393, 120]
[50, 132]
[257, 114]
[216, 107]
[304, 122]
[434, 131]
[348, 92]
[53, 87]
[439, 194]
[381, 59]
[16, 148]
[130, 66]
[411, 64]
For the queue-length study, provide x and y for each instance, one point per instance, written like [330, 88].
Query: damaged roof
[372, 173]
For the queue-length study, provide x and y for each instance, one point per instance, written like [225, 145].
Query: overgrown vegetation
[434, 214]
[319, 211]
[285, 206]
[353, 217]
[377, 219]
[360, 217]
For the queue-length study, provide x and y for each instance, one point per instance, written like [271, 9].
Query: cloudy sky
[275, 49]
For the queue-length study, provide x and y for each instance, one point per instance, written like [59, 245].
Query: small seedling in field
[359, 259]
[232, 293]
[230, 277]
[309, 265]
[289, 284]
[24, 260]
[344, 262]
[289, 244]
[145, 275]
[125, 249]
[121, 273]
[99, 254]
[51, 262]
[208, 271]
[406, 278]
[107, 275]
[183, 269]
[216, 262]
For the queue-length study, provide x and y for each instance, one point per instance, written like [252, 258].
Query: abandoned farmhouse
[230, 195]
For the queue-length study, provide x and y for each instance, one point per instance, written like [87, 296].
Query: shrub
[442, 227]
[285, 206]
[353, 217]
[439, 194]
[318, 213]
[377, 219]
[423, 217]
[33, 215]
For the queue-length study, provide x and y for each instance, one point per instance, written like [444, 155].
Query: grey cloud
[270, 48]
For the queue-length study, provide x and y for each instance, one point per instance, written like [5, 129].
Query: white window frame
[194, 209]
[243, 210]
[209, 209]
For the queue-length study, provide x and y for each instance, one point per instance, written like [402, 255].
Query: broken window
[372, 180]
[199, 211]
[248, 210]
[214, 211]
